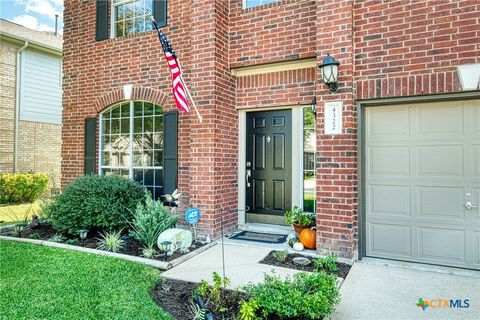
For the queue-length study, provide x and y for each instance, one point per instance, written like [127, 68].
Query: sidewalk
[241, 265]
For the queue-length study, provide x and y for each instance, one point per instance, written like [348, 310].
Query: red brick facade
[386, 49]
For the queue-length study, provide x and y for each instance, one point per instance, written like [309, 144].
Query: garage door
[423, 183]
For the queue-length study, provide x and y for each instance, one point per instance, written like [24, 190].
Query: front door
[268, 166]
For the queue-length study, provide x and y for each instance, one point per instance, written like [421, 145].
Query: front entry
[268, 166]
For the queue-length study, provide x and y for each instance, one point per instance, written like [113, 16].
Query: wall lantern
[329, 69]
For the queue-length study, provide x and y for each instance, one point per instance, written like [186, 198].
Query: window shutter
[90, 145]
[101, 30]
[170, 151]
[160, 12]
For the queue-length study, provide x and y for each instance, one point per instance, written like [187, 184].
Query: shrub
[328, 263]
[306, 296]
[280, 256]
[22, 187]
[111, 241]
[149, 221]
[215, 297]
[298, 216]
[95, 202]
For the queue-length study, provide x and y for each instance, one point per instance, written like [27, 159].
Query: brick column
[336, 155]
[213, 143]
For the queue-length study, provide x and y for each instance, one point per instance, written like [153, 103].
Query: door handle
[469, 206]
[247, 177]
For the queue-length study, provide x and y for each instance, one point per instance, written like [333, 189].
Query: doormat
[259, 237]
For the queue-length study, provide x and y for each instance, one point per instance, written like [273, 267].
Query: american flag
[178, 84]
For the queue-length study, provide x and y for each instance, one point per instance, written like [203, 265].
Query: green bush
[95, 202]
[306, 296]
[22, 187]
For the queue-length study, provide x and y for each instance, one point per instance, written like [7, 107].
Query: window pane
[106, 126]
[119, 29]
[137, 125]
[119, 12]
[137, 109]
[158, 127]
[158, 177]
[147, 109]
[116, 112]
[309, 147]
[139, 8]
[125, 113]
[148, 124]
[106, 160]
[125, 125]
[158, 141]
[115, 126]
[137, 142]
[148, 177]
[138, 175]
[158, 159]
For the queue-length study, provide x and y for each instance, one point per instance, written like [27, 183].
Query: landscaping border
[162, 265]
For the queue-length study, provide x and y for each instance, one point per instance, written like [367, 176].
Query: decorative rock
[298, 246]
[179, 238]
[301, 261]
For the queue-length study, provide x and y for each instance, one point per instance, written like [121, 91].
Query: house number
[333, 117]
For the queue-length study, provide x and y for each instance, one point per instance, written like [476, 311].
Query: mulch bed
[174, 297]
[132, 248]
[342, 272]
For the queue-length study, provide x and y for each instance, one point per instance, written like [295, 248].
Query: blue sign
[192, 215]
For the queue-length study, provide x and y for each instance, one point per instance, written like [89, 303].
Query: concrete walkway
[241, 265]
[373, 291]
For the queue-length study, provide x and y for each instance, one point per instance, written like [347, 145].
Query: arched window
[132, 144]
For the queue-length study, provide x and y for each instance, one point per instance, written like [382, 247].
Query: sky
[34, 14]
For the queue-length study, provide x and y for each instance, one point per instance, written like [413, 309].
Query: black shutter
[101, 29]
[170, 151]
[160, 12]
[90, 145]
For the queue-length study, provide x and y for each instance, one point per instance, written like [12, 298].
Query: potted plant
[299, 220]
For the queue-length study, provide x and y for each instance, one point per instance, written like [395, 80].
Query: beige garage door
[422, 174]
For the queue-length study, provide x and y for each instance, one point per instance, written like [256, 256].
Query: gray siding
[41, 95]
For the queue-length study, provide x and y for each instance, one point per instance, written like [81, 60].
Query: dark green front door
[268, 165]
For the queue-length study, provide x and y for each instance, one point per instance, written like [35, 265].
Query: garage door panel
[444, 119]
[422, 164]
[440, 202]
[389, 160]
[389, 200]
[389, 123]
[388, 239]
[441, 245]
[440, 160]
[476, 160]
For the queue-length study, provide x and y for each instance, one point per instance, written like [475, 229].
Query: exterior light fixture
[313, 105]
[125, 239]
[329, 69]
[83, 235]
[165, 247]
[127, 91]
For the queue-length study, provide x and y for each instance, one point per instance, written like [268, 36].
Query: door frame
[296, 152]
[361, 183]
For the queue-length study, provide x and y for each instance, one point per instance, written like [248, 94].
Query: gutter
[18, 87]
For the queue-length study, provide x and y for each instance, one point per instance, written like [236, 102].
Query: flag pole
[199, 116]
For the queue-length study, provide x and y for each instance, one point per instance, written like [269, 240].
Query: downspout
[18, 90]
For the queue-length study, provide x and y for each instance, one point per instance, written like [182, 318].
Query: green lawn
[38, 282]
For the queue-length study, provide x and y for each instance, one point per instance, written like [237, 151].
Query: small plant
[150, 220]
[195, 312]
[35, 235]
[213, 294]
[73, 242]
[297, 216]
[328, 263]
[280, 256]
[56, 238]
[110, 241]
[21, 220]
[248, 309]
[165, 288]
[148, 253]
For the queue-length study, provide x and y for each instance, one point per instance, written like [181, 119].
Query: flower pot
[299, 228]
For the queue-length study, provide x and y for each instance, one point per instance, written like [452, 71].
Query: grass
[38, 282]
[17, 211]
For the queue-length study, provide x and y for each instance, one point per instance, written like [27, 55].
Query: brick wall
[284, 30]
[40, 149]
[413, 48]
[7, 106]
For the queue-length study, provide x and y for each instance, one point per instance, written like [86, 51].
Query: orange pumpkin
[308, 237]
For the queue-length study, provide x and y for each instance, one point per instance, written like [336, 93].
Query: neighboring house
[31, 101]
[395, 182]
